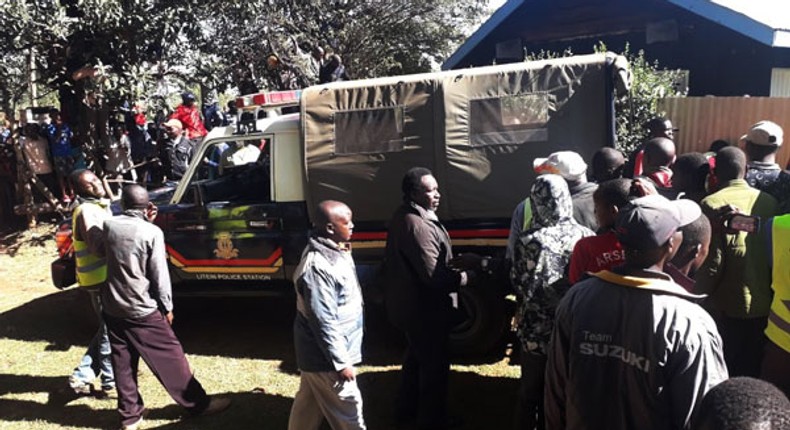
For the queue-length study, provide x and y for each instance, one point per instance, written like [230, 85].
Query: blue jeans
[96, 361]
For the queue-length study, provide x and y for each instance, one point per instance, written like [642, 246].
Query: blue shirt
[60, 140]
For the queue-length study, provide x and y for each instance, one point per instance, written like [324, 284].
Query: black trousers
[425, 373]
[744, 344]
[151, 338]
[529, 414]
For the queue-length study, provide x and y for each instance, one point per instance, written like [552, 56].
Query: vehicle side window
[369, 131]
[509, 120]
[242, 173]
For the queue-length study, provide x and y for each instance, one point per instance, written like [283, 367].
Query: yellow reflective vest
[778, 329]
[91, 269]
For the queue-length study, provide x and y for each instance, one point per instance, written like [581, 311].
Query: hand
[169, 317]
[347, 374]
[641, 187]
[723, 214]
[467, 261]
[151, 211]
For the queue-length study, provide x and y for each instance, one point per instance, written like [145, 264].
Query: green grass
[239, 348]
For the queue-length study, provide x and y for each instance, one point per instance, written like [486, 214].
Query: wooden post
[24, 185]
[32, 87]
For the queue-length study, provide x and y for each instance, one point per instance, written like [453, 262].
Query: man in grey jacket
[138, 310]
[328, 326]
[630, 348]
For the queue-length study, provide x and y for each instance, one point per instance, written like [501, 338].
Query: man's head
[568, 164]
[187, 98]
[609, 197]
[32, 130]
[333, 221]
[659, 152]
[717, 145]
[607, 163]
[762, 141]
[660, 127]
[87, 184]
[690, 172]
[647, 228]
[134, 196]
[419, 186]
[694, 249]
[743, 403]
[173, 128]
[730, 164]
[55, 117]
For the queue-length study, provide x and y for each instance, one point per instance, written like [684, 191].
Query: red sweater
[190, 118]
[595, 253]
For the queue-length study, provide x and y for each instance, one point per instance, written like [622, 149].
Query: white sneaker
[79, 387]
[216, 405]
[134, 426]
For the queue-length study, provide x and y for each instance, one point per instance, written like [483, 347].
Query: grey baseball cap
[648, 222]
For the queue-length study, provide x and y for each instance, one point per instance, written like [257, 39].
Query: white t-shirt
[118, 155]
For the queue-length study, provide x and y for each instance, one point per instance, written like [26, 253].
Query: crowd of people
[642, 303]
[653, 297]
[136, 149]
[630, 321]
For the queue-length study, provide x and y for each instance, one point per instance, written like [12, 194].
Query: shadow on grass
[470, 394]
[480, 402]
[248, 410]
[260, 328]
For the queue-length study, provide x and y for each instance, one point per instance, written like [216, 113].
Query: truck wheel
[482, 320]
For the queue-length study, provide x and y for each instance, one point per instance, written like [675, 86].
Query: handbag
[64, 271]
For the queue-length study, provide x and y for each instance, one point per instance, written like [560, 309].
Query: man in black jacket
[418, 299]
[630, 348]
[178, 148]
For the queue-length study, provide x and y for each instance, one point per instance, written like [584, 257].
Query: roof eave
[481, 33]
[736, 21]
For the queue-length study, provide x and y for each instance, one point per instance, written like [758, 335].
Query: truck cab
[237, 222]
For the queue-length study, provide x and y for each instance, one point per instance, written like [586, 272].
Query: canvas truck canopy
[477, 129]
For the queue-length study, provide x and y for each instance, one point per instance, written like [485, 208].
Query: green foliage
[158, 48]
[650, 84]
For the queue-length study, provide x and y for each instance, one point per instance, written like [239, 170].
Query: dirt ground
[240, 348]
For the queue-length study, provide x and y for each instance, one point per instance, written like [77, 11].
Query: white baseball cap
[568, 164]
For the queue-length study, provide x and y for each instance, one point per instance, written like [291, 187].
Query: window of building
[369, 131]
[509, 120]
[780, 82]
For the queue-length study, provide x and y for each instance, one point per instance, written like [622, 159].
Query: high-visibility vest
[527, 215]
[778, 329]
[91, 269]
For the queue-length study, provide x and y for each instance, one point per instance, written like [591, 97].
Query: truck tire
[482, 320]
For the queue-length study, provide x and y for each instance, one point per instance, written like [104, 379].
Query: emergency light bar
[269, 100]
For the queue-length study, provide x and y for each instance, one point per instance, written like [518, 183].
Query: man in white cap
[571, 166]
[178, 150]
[761, 143]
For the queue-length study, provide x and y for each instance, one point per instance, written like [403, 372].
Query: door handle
[192, 227]
[267, 224]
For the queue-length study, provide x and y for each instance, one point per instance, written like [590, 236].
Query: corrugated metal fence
[702, 120]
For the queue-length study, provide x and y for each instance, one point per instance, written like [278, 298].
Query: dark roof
[766, 21]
